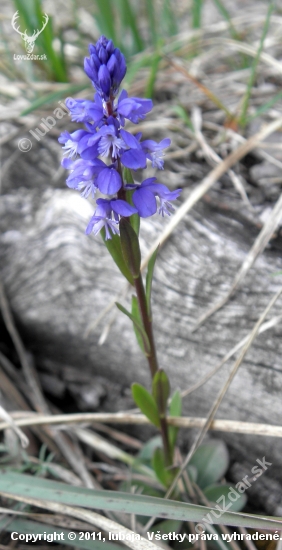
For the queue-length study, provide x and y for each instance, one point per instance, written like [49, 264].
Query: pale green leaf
[44, 489]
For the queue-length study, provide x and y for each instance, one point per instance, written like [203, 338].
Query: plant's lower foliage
[105, 136]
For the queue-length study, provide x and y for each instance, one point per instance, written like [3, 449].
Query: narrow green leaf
[225, 13]
[107, 20]
[146, 403]
[246, 99]
[158, 462]
[137, 326]
[135, 312]
[211, 460]
[196, 13]
[261, 110]
[169, 19]
[161, 390]
[54, 96]
[129, 20]
[149, 279]
[22, 485]
[149, 90]
[130, 247]
[114, 247]
[146, 453]
[152, 20]
[175, 409]
[181, 112]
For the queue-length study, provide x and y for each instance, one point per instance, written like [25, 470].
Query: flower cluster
[104, 137]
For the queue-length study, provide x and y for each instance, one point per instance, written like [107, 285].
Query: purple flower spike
[104, 136]
[106, 67]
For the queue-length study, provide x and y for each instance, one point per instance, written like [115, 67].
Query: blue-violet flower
[104, 136]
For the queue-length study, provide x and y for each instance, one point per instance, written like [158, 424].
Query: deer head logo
[29, 41]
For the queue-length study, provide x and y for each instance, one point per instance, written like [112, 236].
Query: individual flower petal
[109, 181]
[134, 157]
[104, 80]
[145, 202]
[123, 208]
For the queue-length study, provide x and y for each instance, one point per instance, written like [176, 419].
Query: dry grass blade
[70, 451]
[209, 180]
[34, 419]
[102, 445]
[257, 248]
[251, 50]
[266, 326]
[29, 372]
[224, 389]
[179, 67]
[211, 154]
[90, 517]
[22, 437]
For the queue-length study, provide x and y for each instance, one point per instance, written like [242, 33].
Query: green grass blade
[114, 247]
[22, 485]
[197, 13]
[180, 111]
[129, 20]
[135, 312]
[265, 107]
[137, 325]
[224, 12]
[106, 19]
[152, 21]
[246, 99]
[168, 19]
[54, 96]
[149, 279]
[149, 91]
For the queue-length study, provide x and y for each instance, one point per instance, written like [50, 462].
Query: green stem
[148, 327]
[141, 297]
[153, 361]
